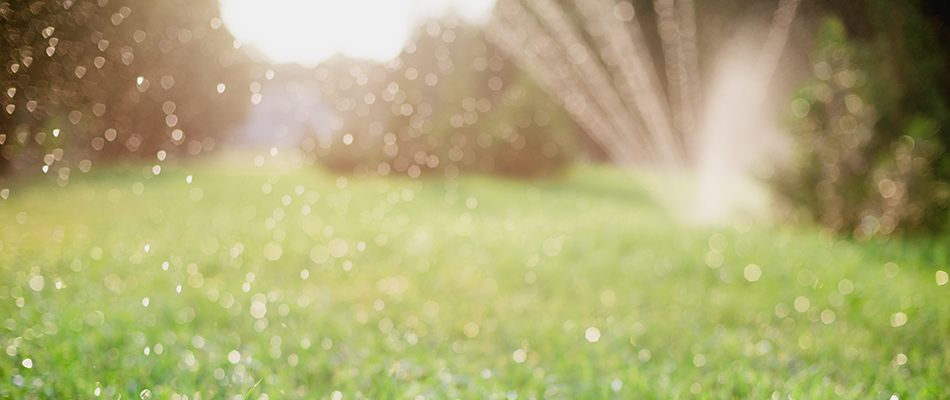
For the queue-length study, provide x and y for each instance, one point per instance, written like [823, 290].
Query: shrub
[98, 80]
[858, 168]
[450, 102]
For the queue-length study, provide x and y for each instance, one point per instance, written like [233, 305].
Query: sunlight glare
[310, 31]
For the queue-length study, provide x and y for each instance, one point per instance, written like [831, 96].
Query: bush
[863, 163]
[451, 102]
[89, 81]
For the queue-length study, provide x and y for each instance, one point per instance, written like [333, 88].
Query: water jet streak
[560, 74]
[677, 86]
[601, 70]
[517, 33]
[585, 67]
[733, 113]
[626, 56]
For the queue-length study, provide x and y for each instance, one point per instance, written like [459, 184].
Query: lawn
[211, 276]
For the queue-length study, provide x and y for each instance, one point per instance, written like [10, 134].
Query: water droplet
[752, 272]
[802, 304]
[167, 82]
[901, 359]
[273, 251]
[234, 357]
[470, 329]
[644, 355]
[37, 282]
[845, 286]
[942, 278]
[891, 270]
[592, 334]
[898, 319]
[699, 360]
[519, 356]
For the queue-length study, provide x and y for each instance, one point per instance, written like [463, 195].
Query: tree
[872, 125]
[450, 102]
[105, 80]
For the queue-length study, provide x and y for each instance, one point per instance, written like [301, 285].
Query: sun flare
[308, 32]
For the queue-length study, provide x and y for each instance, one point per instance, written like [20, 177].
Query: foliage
[870, 132]
[389, 287]
[450, 102]
[94, 80]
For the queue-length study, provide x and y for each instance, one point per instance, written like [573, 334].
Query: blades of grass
[248, 395]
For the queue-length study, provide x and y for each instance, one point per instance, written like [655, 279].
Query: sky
[310, 31]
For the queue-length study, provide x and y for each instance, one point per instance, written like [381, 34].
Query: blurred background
[474, 198]
[837, 106]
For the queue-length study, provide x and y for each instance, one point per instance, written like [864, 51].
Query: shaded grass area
[127, 284]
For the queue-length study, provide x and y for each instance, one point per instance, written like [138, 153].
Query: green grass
[475, 288]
